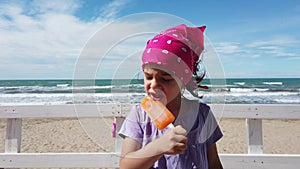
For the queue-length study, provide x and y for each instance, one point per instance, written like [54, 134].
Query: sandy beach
[279, 136]
[68, 135]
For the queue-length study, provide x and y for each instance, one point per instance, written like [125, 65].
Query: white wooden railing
[253, 113]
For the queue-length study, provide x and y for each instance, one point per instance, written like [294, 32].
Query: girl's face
[161, 86]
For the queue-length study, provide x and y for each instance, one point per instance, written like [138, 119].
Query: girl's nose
[155, 83]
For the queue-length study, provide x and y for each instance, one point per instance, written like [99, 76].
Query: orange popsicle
[158, 113]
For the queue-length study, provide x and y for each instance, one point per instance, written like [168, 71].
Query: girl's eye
[148, 77]
[167, 79]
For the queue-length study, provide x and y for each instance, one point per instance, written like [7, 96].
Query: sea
[73, 91]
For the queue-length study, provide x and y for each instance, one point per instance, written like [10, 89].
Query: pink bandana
[176, 49]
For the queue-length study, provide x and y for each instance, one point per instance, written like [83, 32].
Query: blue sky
[45, 39]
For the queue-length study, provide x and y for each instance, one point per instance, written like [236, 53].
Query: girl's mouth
[158, 96]
[155, 97]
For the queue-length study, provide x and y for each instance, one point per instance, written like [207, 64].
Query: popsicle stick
[171, 125]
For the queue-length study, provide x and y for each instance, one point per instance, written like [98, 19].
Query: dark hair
[195, 81]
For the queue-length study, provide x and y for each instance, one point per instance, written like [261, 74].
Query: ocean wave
[249, 90]
[106, 91]
[288, 100]
[240, 90]
[68, 98]
[66, 88]
[62, 85]
[208, 97]
[273, 83]
[239, 83]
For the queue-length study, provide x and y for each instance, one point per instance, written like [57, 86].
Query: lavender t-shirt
[195, 117]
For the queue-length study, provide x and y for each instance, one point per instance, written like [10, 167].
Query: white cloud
[276, 47]
[283, 46]
[277, 51]
[67, 6]
[111, 10]
[45, 42]
[228, 48]
[279, 41]
[45, 35]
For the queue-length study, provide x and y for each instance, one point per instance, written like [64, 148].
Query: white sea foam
[288, 100]
[273, 83]
[261, 90]
[239, 83]
[67, 98]
[241, 90]
[62, 85]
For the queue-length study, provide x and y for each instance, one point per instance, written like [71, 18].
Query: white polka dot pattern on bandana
[174, 50]
[178, 59]
[149, 50]
[165, 51]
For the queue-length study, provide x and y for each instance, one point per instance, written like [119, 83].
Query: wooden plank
[257, 111]
[63, 111]
[254, 136]
[119, 140]
[98, 160]
[13, 135]
[260, 161]
[254, 111]
[67, 160]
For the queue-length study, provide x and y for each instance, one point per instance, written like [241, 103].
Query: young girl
[170, 65]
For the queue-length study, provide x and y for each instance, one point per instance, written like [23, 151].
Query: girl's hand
[174, 141]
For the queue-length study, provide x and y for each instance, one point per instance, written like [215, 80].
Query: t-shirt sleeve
[131, 126]
[211, 131]
[217, 135]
